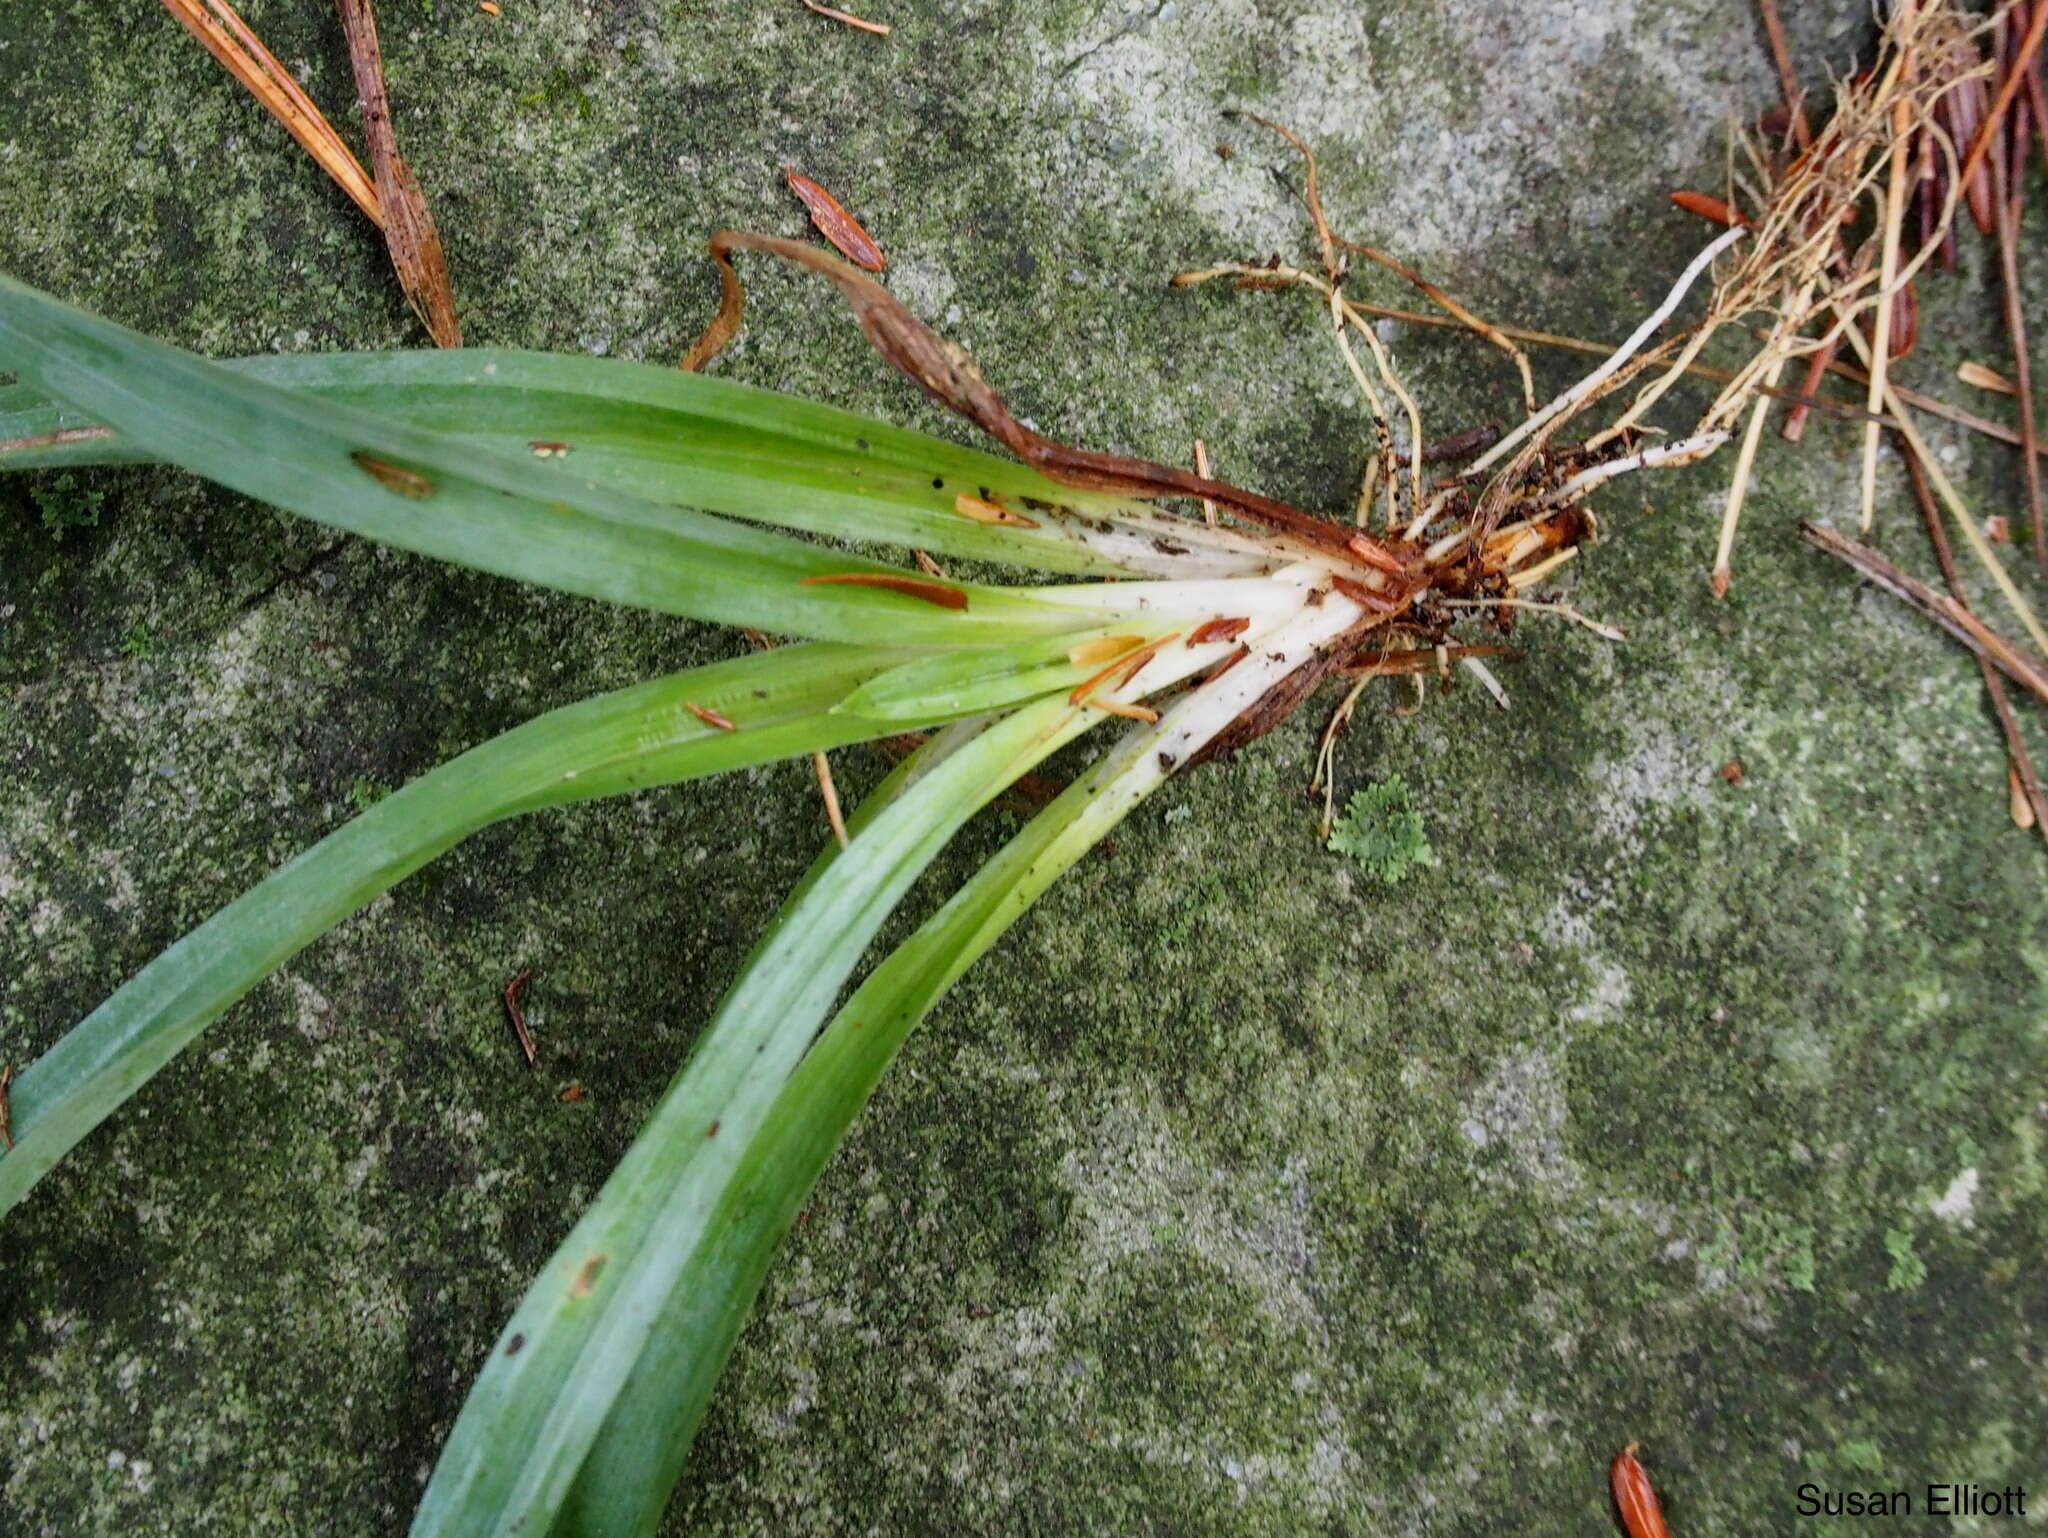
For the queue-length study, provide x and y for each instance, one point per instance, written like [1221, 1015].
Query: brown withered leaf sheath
[945, 372]
[1273, 707]
[409, 231]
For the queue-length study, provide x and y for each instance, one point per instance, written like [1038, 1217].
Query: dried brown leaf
[835, 223]
[409, 231]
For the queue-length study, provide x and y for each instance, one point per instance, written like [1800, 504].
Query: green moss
[1909, 1271]
[67, 502]
[1382, 832]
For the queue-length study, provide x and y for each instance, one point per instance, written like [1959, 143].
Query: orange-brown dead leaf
[835, 223]
[1636, 1497]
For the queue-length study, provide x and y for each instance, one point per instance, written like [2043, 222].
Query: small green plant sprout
[1383, 832]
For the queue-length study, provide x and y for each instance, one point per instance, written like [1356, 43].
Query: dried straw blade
[229, 39]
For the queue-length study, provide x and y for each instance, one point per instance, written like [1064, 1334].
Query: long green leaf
[988, 678]
[645, 735]
[474, 503]
[548, 1386]
[624, 1485]
[707, 443]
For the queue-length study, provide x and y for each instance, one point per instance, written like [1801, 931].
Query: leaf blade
[623, 1488]
[489, 508]
[711, 443]
[546, 1389]
[616, 743]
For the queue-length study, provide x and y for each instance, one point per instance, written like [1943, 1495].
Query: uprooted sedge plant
[582, 475]
[583, 1413]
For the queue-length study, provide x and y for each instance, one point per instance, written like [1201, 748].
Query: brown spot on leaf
[910, 587]
[407, 483]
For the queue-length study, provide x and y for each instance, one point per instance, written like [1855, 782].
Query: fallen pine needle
[880, 29]
[823, 768]
[2019, 763]
[518, 1016]
[1988, 129]
[2016, 329]
[1788, 78]
[1980, 549]
[1888, 276]
[228, 38]
[1723, 574]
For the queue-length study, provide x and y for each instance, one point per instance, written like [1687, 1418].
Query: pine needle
[228, 38]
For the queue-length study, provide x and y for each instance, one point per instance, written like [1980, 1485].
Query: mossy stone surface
[1232, 1194]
